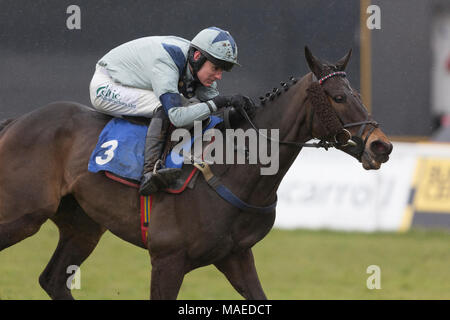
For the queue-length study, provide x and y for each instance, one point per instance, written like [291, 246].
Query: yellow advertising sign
[432, 185]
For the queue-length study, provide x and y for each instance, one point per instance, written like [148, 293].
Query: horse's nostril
[381, 148]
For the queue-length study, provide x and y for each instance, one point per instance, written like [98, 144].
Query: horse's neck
[287, 114]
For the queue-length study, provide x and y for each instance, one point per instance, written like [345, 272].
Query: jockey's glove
[244, 103]
[222, 101]
[238, 101]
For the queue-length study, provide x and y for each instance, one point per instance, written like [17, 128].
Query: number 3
[109, 153]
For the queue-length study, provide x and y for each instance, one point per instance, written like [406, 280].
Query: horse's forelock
[323, 109]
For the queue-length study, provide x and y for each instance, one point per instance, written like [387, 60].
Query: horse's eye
[339, 99]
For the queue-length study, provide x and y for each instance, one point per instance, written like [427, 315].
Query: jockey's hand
[241, 102]
[238, 101]
[222, 101]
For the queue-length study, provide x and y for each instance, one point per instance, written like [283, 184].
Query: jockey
[168, 79]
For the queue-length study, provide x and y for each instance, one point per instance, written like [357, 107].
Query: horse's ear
[342, 64]
[315, 65]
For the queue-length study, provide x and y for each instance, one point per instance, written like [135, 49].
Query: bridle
[355, 144]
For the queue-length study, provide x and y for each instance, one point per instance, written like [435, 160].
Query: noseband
[355, 145]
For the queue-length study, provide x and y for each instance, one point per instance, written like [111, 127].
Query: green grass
[292, 265]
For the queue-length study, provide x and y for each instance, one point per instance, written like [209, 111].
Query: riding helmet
[215, 45]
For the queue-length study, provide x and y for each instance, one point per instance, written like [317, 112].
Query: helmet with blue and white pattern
[218, 46]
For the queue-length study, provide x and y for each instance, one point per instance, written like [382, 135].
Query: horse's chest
[217, 242]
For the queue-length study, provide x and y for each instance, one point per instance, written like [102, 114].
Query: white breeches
[115, 99]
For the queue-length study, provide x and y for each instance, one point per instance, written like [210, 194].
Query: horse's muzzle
[376, 154]
[381, 150]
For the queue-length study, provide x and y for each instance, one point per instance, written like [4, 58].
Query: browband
[331, 75]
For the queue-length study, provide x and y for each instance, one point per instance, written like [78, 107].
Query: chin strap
[195, 64]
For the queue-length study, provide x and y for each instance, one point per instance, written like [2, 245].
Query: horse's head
[338, 115]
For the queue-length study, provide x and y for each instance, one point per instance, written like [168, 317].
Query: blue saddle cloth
[120, 149]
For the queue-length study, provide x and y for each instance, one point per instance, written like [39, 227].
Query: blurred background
[401, 66]
[405, 63]
[41, 55]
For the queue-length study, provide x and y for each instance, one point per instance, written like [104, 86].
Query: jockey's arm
[166, 88]
[184, 116]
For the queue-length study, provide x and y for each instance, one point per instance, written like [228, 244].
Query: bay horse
[43, 175]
